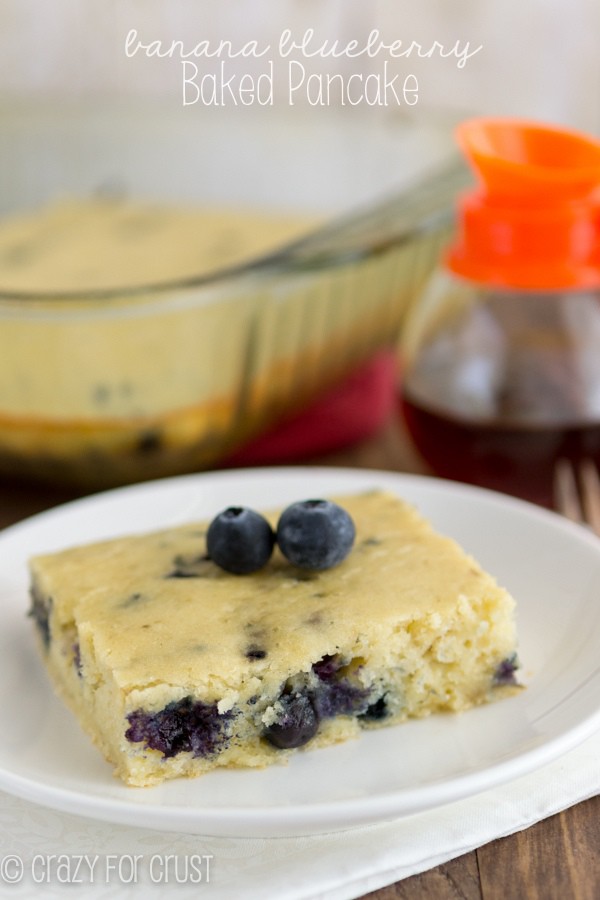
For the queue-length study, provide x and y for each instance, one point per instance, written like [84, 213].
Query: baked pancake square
[173, 666]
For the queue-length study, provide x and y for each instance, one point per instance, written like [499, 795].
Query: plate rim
[310, 818]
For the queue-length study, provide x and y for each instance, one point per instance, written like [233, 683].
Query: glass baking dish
[104, 387]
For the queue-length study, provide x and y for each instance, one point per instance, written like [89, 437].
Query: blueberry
[40, 611]
[340, 698]
[149, 441]
[189, 567]
[505, 672]
[77, 657]
[240, 540]
[297, 724]
[376, 711]
[254, 652]
[184, 726]
[315, 534]
[327, 667]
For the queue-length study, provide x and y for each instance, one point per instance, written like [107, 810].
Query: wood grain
[455, 880]
[559, 859]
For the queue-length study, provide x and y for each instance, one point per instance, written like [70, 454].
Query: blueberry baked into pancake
[236, 642]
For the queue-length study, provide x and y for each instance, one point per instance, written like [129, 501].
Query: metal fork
[577, 492]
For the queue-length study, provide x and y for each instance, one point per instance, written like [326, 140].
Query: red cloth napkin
[344, 415]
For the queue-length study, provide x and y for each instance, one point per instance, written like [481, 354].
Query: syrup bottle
[501, 354]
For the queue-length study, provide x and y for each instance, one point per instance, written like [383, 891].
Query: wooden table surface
[558, 859]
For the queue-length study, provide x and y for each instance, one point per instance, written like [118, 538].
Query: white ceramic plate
[551, 567]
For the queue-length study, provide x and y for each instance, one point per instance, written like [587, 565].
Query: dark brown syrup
[514, 457]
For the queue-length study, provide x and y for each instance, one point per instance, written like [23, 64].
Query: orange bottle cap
[533, 220]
